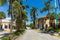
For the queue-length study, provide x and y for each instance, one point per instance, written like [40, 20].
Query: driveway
[33, 35]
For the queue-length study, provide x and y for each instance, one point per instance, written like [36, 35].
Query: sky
[36, 3]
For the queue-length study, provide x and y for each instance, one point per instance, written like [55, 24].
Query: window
[0, 26]
[5, 26]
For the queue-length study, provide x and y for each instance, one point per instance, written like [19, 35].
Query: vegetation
[18, 14]
[2, 15]
[50, 28]
[2, 2]
[31, 25]
[34, 14]
[47, 6]
[17, 33]
[51, 16]
[6, 38]
[57, 30]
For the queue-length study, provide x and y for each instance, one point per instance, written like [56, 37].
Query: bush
[6, 38]
[50, 28]
[57, 30]
[17, 33]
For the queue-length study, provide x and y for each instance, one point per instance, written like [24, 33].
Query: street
[33, 35]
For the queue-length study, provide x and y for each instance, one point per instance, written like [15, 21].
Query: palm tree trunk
[21, 14]
[34, 23]
[11, 20]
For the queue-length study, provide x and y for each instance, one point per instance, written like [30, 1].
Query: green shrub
[57, 30]
[17, 33]
[50, 28]
[6, 38]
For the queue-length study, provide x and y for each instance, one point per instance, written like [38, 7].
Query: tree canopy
[2, 15]
[2, 2]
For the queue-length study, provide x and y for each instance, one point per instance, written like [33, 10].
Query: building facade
[45, 22]
[5, 24]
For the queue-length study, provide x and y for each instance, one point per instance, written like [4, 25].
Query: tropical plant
[47, 6]
[2, 15]
[2, 2]
[51, 16]
[18, 12]
[59, 19]
[34, 14]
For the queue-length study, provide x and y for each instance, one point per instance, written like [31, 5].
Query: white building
[5, 24]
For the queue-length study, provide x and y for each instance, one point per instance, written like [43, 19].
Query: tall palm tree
[18, 11]
[34, 14]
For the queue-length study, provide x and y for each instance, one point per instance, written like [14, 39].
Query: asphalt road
[33, 35]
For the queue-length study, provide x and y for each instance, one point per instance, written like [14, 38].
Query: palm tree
[47, 6]
[18, 12]
[2, 16]
[21, 23]
[52, 17]
[2, 2]
[24, 18]
[34, 14]
[59, 20]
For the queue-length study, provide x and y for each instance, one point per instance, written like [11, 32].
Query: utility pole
[55, 10]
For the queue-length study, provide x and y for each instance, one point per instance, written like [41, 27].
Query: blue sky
[37, 3]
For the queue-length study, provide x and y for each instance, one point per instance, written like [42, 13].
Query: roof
[44, 17]
[5, 20]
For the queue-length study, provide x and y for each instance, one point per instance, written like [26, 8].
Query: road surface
[33, 35]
